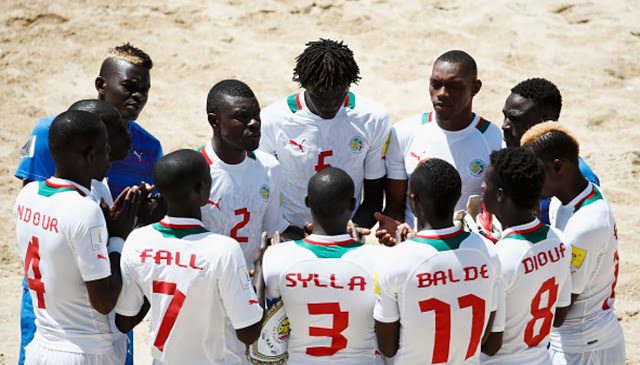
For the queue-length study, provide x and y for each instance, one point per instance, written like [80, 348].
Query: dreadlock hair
[437, 183]
[463, 58]
[520, 175]
[224, 88]
[549, 141]
[131, 54]
[326, 64]
[543, 93]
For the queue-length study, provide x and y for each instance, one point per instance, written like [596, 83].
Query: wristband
[115, 244]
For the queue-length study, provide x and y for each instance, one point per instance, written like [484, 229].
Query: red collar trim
[206, 155]
[51, 184]
[441, 237]
[328, 243]
[180, 226]
[298, 103]
[589, 196]
[524, 231]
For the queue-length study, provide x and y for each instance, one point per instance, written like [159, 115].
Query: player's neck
[228, 154]
[573, 188]
[455, 122]
[74, 176]
[184, 211]
[514, 216]
[434, 224]
[329, 228]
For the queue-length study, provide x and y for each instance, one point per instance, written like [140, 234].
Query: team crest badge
[265, 192]
[271, 347]
[476, 167]
[356, 144]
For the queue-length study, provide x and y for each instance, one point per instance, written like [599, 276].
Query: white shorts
[35, 354]
[612, 356]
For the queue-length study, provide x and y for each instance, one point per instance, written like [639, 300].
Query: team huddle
[250, 248]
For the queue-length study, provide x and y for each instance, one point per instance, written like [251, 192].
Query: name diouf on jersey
[541, 259]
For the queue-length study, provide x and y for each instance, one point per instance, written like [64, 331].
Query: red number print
[442, 311]
[246, 216]
[321, 164]
[543, 313]
[171, 313]
[340, 323]
[32, 259]
[609, 301]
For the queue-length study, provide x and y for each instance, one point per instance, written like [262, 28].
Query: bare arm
[373, 195]
[388, 335]
[126, 324]
[491, 341]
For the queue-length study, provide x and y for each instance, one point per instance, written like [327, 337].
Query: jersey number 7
[171, 313]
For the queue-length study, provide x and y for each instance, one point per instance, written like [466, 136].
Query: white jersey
[198, 286]
[588, 225]
[62, 237]
[442, 285]
[420, 137]
[536, 276]
[101, 191]
[326, 286]
[244, 200]
[304, 143]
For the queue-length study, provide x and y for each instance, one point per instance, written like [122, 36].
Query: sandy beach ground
[50, 52]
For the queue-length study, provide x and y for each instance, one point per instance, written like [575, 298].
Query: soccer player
[245, 191]
[531, 102]
[197, 282]
[451, 132]
[326, 280]
[535, 262]
[441, 282]
[591, 333]
[327, 125]
[71, 265]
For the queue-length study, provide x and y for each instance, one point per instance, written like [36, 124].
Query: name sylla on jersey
[169, 258]
[314, 280]
[444, 277]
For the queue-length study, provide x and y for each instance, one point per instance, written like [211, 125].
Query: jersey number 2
[340, 323]
[246, 216]
[443, 324]
[171, 313]
[544, 313]
[32, 259]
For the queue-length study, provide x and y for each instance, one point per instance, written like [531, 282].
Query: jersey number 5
[246, 216]
[443, 324]
[171, 313]
[32, 259]
[321, 165]
[340, 323]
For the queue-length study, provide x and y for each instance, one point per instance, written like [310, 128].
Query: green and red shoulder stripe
[295, 104]
[444, 242]
[535, 234]
[328, 250]
[49, 188]
[172, 230]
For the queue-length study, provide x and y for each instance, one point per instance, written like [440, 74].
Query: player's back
[535, 272]
[191, 278]
[327, 291]
[446, 288]
[62, 239]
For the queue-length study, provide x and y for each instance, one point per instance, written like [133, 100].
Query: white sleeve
[271, 273]
[273, 220]
[131, 296]
[504, 284]
[268, 136]
[374, 165]
[386, 289]
[239, 299]
[564, 296]
[586, 245]
[89, 242]
[394, 160]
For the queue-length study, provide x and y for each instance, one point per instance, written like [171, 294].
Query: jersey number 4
[32, 259]
[551, 288]
[171, 313]
[340, 323]
[443, 324]
[246, 216]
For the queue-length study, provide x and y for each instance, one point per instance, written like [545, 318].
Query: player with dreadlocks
[327, 125]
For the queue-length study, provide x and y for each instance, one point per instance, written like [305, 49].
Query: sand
[50, 52]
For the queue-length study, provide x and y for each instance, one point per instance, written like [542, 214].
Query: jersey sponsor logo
[356, 144]
[297, 145]
[29, 148]
[265, 192]
[97, 242]
[253, 301]
[442, 277]
[216, 203]
[415, 155]
[577, 256]
[376, 283]
[541, 259]
[476, 167]
[101, 257]
[138, 155]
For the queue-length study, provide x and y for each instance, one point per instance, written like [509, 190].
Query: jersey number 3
[340, 323]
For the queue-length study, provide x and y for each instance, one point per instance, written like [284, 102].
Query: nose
[254, 123]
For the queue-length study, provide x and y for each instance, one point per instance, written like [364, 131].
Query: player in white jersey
[196, 281]
[72, 268]
[591, 333]
[442, 283]
[326, 280]
[451, 132]
[327, 125]
[535, 262]
[245, 189]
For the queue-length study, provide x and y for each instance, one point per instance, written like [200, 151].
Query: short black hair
[105, 111]
[463, 58]
[179, 171]
[330, 192]
[520, 175]
[437, 183]
[543, 93]
[326, 64]
[224, 88]
[73, 130]
[549, 141]
[131, 54]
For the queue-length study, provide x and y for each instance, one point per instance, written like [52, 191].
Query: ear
[557, 165]
[100, 84]
[413, 202]
[477, 85]
[352, 204]
[500, 195]
[306, 201]
[213, 120]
